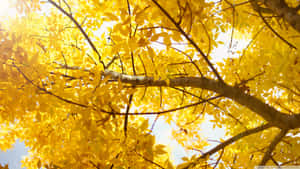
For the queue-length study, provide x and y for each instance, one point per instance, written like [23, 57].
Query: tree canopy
[79, 78]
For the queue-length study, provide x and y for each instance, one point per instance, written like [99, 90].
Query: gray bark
[256, 105]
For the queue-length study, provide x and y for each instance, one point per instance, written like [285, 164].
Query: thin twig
[145, 71]
[219, 159]
[287, 88]
[209, 39]
[291, 161]
[129, 13]
[94, 165]
[235, 5]
[158, 27]
[209, 102]
[89, 56]
[252, 40]
[191, 60]
[81, 30]
[197, 117]
[48, 92]
[274, 161]
[154, 122]
[121, 63]
[127, 114]
[163, 112]
[230, 141]
[150, 161]
[111, 62]
[64, 66]
[272, 146]
[132, 62]
[233, 23]
[190, 40]
[277, 34]
[134, 73]
[68, 6]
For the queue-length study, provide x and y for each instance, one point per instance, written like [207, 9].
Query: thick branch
[264, 110]
[270, 27]
[280, 8]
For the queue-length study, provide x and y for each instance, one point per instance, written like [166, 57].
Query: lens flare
[6, 9]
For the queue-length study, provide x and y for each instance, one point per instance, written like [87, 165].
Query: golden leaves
[72, 115]
[7, 137]
[159, 149]
[4, 167]
[110, 16]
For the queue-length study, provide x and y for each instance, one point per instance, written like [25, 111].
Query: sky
[13, 156]
[163, 135]
[5, 9]
[162, 131]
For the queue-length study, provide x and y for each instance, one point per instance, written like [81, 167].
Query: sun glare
[6, 9]
[231, 48]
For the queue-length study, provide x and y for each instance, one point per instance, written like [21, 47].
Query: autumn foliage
[79, 79]
[4, 167]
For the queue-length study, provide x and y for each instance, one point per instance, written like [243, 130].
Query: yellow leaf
[39, 164]
[111, 16]
[159, 149]
[155, 37]
[150, 52]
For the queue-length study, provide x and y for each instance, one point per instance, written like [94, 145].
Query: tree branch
[280, 8]
[230, 141]
[81, 30]
[209, 102]
[150, 161]
[46, 91]
[187, 37]
[162, 112]
[215, 166]
[290, 161]
[126, 114]
[256, 105]
[276, 33]
[272, 146]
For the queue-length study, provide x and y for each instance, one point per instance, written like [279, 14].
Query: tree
[78, 92]
[4, 167]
